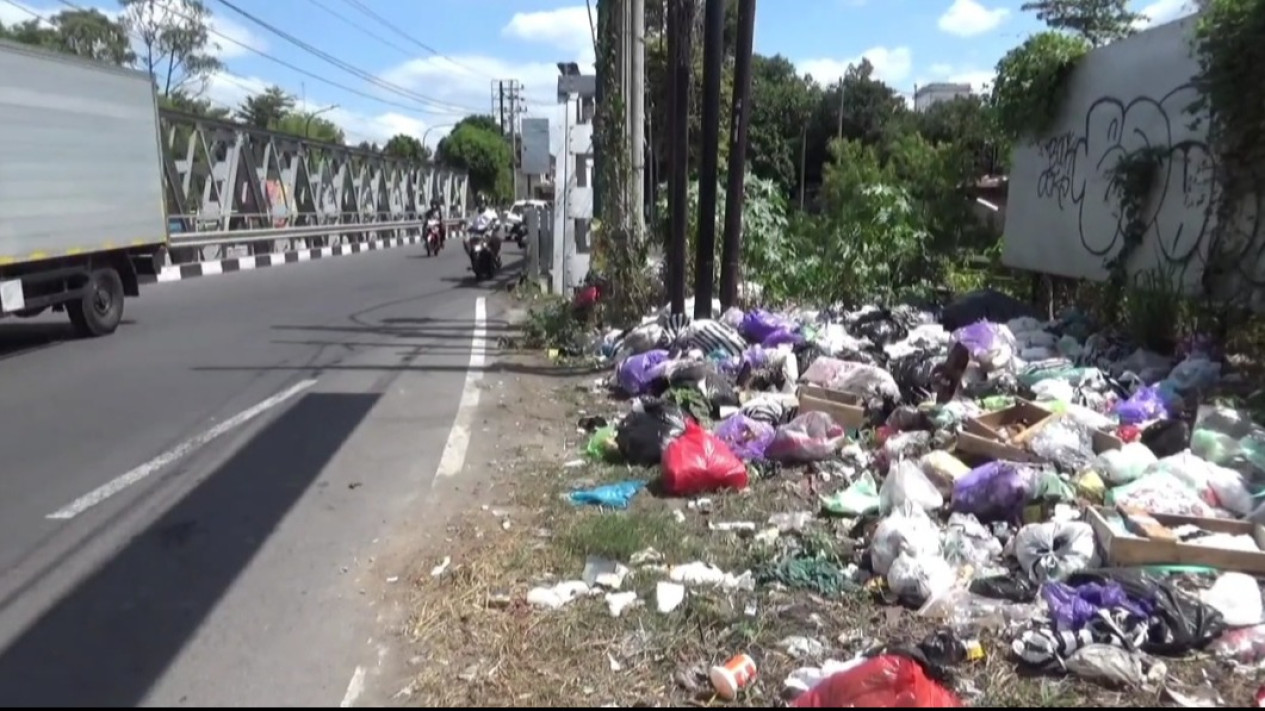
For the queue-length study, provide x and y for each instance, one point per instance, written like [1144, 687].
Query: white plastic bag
[1217, 486]
[917, 578]
[1055, 550]
[1121, 466]
[967, 542]
[907, 528]
[906, 483]
[1237, 597]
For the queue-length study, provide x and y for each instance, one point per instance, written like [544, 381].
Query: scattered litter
[557, 596]
[439, 569]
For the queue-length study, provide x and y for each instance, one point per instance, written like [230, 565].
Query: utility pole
[515, 109]
[705, 257]
[731, 254]
[680, 16]
[637, 105]
[500, 86]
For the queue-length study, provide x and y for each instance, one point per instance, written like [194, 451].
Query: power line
[360, 27]
[281, 62]
[391, 26]
[361, 73]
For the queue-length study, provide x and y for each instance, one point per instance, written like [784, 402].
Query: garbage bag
[1011, 588]
[644, 433]
[1066, 443]
[641, 339]
[967, 542]
[811, 437]
[996, 491]
[1055, 549]
[907, 529]
[1167, 437]
[1121, 466]
[759, 324]
[1238, 598]
[1142, 406]
[906, 483]
[745, 437]
[886, 681]
[984, 305]
[991, 345]
[914, 579]
[697, 462]
[636, 372]
[1072, 608]
[615, 496]
[943, 469]
[601, 445]
[1179, 621]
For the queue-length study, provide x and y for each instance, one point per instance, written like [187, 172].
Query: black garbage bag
[805, 353]
[1180, 622]
[1012, 588]
[643, 434]
[720, 391]
[915, 374]
[882, 331]
[1166, 437]
[984, 305]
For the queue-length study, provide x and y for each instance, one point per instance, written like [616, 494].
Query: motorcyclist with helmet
[436, 212]
[484, 226]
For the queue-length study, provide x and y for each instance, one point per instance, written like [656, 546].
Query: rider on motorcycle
[436, 212]
[485, 227]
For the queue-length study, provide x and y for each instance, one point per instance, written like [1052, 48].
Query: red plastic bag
[698, 462]
[886, 681]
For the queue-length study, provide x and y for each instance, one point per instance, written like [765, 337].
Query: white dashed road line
[181, 450]
[454, 456]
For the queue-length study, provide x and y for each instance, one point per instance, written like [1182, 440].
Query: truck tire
[100, 310]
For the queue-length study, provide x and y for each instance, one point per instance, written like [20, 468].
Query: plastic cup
[733, 676]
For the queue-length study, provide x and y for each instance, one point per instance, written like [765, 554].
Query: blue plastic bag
[615, 496]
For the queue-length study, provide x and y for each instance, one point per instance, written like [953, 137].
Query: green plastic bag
[601, 446]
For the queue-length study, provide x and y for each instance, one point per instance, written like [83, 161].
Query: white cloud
[566, 28]
[891, 65]
[1161, 11]
[968, 18]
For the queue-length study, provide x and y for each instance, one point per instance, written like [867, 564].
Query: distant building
[931, 94]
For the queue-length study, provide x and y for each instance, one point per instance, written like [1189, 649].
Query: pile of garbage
[1058, 486]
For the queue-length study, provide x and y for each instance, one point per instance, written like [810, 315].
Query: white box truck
[82, 202]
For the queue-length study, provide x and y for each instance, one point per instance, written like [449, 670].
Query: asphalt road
[220, 570]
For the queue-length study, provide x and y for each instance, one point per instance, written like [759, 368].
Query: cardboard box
[982, 436]
[1124, 549]
[846, 409]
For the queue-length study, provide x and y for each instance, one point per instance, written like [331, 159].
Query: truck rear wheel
[100, 310]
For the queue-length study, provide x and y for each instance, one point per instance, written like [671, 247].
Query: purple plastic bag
[744, 436]
[996, 491]
[759, 324]
[1145, 404]
[755, 356]
[636, 372]
[780, 335]
[1072, 608]
[979, 338]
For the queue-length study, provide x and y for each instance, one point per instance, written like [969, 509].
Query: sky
[438, 60]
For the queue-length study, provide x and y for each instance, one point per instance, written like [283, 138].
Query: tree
[181, 101]
[174, 37]
[1098, 21]
[265, 109]
[316, 128]
[782, 106]
[477, 146]
[83, 33]
[407, 147]
[857, 107]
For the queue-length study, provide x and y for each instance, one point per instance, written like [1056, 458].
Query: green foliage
[782, 104]
[1031, 82]
[1097, 21]
[408, 147]
[83, 33]
[265, 109]
[477, 146]
[1230, 47]
[1132, 180]
[175, 41]
[552, 324]
[311, 126]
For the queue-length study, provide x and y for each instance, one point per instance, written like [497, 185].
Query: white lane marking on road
[355, 688]
[454, 456]
[183, 449]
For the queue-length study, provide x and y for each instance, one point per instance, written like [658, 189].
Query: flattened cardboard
[846, 409]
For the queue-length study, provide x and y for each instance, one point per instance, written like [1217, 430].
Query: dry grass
[478, 643]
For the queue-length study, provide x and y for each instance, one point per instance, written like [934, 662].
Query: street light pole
[307, 125]
[430, 128]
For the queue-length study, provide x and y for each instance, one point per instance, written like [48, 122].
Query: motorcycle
[518, 233]
[482, 259]
[433, 241]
